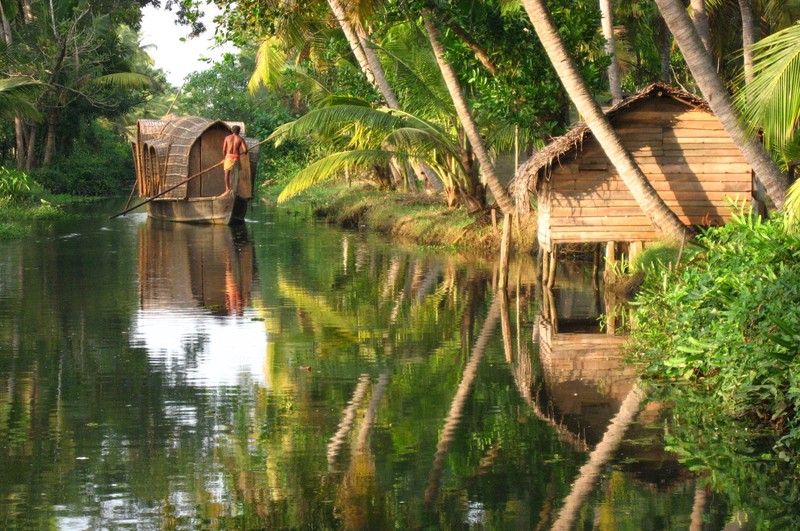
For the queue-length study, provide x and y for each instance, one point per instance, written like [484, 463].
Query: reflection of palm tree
[454, 415]
[348, 416]
[604, 450]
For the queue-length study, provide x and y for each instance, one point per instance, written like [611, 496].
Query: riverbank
[420, 218]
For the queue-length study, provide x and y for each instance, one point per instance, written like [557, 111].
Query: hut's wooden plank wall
[690, 160]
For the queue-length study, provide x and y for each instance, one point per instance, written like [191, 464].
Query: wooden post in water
[505, 251]
[611, 259]
[551, 274]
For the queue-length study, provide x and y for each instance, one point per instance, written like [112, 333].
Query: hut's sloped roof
[527, 176]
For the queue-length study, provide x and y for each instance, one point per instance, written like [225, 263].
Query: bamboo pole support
[505, 251]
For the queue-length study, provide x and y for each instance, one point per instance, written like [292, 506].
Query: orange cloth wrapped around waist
[231, 159]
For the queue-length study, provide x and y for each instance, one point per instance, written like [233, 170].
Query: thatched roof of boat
[527, 177]
[172, 138]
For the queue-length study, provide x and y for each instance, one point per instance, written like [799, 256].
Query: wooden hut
[170, 150]
[678, 143]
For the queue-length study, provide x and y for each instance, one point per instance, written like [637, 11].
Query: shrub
[719, 338]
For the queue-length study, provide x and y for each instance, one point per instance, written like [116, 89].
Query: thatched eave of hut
[569, 145]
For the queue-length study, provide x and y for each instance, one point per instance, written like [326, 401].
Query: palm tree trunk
[748, 37]
[352, 39]
[665, 53]
[614, 83]
[702, 67]
[50, 138]
[642, 191]
[30, 157]
[700, 20]
[465, 117]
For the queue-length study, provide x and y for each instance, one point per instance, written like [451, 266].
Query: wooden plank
[614, 209]
[627, 201]
[671, 195]
[562, 236]
[688, 132]
[718, 183]
[624, 223]
[654, 116]
[673, 157]
[667, 140]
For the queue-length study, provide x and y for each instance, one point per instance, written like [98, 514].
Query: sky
[176, 58]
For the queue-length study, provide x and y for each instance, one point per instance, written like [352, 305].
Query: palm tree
[614, 83]
[465, 117]
[365, 138]
[705, 74]
[643, 192]
[771, 102]
[700, 20]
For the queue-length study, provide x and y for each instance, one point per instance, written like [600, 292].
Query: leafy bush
[723, 331]
[19, 186]
[100, 165]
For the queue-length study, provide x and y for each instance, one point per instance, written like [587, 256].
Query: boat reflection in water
[195, 315]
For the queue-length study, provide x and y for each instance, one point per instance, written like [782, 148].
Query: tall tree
[748, 37]
[466, 118]
[643, 192]
[700, 20]
[705, 74]
[614, 82]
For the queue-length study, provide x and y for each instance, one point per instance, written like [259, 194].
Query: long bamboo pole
[198, 174]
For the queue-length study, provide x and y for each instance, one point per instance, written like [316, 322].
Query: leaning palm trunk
[614, 84]
[716, 94]
[642, 191]
[700, 20]
[466, 119]
[748, 37]
[353, 40]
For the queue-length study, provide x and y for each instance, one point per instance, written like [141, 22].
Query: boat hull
[222, 210]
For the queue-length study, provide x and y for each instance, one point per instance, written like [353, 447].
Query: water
[288, 375]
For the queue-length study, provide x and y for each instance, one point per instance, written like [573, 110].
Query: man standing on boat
[232, 148]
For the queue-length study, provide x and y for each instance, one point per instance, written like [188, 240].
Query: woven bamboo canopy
[164, 151]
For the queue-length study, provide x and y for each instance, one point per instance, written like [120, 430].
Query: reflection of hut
[185, 266]
[585, 379]
[170, 150]
[678, 143]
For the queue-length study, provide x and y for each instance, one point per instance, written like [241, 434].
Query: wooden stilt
[505, 251]
[634, 248]
[611, 259]
[551, 275]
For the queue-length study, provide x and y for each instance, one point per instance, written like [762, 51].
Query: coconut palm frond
[270, 64]
[335, 99]
[771, 102]
[792, 205]
[328, 122]
[125, 80]
[16, 98]
[505, 136]
[329, 166]
[308, 85]
[419, 142]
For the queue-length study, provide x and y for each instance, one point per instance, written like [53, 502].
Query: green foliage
[100, 164]
[723, 332]
[17, 186]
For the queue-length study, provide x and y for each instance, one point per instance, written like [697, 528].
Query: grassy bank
[421, 219]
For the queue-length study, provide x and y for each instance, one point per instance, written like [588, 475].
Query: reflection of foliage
[726, 325]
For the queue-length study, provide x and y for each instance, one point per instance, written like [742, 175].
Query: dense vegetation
[718, 338]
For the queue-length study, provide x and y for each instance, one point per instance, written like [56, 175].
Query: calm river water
[288, 375]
